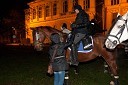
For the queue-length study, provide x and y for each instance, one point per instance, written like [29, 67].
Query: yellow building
[112, 8]
[56, 12]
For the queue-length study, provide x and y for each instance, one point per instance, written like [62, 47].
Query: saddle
[87, 43]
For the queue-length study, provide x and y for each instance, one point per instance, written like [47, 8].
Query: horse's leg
[76, 70]
[106, 68]
[111, 61]
[114, 73]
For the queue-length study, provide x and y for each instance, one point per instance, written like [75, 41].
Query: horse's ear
[125, 16]
[118, 14]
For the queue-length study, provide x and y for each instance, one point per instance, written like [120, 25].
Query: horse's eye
[120, 26]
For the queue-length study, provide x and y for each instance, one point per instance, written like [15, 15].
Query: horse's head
[118, 32]
[43, 34]
[38, 39]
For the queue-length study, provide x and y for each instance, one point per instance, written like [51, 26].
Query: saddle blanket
[81, 49]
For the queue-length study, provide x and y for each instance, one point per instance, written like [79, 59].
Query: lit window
[55, 9]
[47, 11]
[86, 4]
[114, 2]
[40, 12]
[65, 6]
[34, 13]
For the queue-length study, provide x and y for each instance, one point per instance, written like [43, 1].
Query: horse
[97, 51]
[118, 32]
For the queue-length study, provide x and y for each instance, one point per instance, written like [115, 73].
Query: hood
[77, 7]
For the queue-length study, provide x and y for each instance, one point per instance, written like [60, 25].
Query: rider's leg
[74, 48]
[78, 37]
[74, 60]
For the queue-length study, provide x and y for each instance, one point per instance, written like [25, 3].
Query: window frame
[40, 11]
[86, 4]
[54, 9]
[47, 11]
[115, 2]
[34, 13]
[65, 6]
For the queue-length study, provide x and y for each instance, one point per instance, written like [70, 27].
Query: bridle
[119, 33]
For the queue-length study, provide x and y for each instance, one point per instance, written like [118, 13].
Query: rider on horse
[78, 33]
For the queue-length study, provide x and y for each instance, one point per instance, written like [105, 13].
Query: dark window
[34, 13]
[40, 12]
[47, 11]
[86, 4]
[114, 2]
[55, 9]
[75, 2]
[65, 6]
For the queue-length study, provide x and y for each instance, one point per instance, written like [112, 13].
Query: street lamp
[14, 34]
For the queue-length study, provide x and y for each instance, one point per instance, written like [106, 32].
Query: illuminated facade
[56, 12]
[112, 8]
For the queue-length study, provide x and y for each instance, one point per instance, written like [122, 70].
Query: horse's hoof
[105, 71]
[76, 72]
[112, 83]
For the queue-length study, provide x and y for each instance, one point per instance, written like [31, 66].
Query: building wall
[109, 12]
[53, 21]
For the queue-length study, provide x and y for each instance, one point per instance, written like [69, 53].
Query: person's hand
[71, 22]
[61, 28]
[73, 25]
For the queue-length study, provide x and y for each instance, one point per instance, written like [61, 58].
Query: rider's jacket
[81, 22]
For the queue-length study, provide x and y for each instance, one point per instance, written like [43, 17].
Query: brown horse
[97, 51]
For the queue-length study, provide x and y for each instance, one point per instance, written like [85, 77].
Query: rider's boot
[74, 55]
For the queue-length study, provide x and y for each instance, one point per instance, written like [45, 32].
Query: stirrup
[88, 47]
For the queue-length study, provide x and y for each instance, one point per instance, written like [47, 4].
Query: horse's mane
[52, 29]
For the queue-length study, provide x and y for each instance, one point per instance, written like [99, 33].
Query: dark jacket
[81, 22]
[59, 63]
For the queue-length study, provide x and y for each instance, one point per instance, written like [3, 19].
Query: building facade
[56, 12]
[112, 8]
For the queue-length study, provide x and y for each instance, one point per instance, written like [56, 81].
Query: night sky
[6, 5]
[6, 9]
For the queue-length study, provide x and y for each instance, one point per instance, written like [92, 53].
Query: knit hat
[55, 38]
[77, 7]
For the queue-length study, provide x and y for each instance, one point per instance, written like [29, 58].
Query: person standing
[59, 63]
[79, 31]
